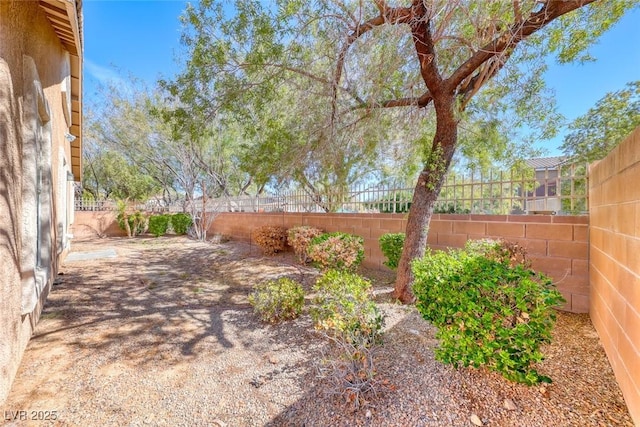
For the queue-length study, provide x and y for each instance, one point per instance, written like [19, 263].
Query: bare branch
[307, 74]
[342, 6]
[439, 33]
[460, 40]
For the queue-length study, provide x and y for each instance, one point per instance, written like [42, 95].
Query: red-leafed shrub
[299, 238]
[339, 251]
[271, 239]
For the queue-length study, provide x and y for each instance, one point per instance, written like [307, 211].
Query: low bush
[499, 250]
[271, 238]
[299, 239]
[137, 222]
[339, 251]
[344, 311]
[159, 224]
[487, 311]
[343, 306]
[277, 300]
[180, 222]
[391, 245]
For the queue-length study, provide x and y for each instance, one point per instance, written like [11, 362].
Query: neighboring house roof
[546, 162]
[66, 19]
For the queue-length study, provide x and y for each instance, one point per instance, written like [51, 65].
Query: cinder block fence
[557, 245]
[614, 191]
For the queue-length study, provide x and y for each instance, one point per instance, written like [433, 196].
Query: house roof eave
[65, 17]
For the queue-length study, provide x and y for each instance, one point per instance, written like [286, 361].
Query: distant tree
[135, 142]
[604, 126]
[288, 145]
[108, 174]
[124, 180]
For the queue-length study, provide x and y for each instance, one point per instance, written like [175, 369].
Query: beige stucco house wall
[40, 157]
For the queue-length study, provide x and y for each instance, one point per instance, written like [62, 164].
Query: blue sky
[137, 37]
[143, 38]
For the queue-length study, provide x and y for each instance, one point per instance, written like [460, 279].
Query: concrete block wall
[89, 224]
[557, 245]
[614, 192]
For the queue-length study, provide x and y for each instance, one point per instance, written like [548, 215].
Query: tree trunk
[425, 195]
[127, 227]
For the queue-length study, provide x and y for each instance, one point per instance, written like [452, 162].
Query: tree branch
[316, 78]
[392, 16]
[423, 42]
[473, 85]
[517, 13]
[439, 32]
[508, 39]
[381, 5]
[415, 101]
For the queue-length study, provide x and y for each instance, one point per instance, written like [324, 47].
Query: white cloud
[104, 75]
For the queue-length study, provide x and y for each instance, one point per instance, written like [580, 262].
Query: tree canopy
[131, 128]
[272, 68]
[594, 134]
[108, 173]
[431, 69]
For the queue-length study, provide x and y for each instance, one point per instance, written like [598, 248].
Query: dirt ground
[162, 334]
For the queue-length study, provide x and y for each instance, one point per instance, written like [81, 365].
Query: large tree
[289, 137]
[483, 37]
[594, 134]
[451, 59]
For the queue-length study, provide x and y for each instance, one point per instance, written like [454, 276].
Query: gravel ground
[163, 335]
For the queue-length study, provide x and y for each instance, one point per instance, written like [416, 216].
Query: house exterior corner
[40, 157]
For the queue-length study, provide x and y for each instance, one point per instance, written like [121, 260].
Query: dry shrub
[277, 300]
[344, 311]
[271, 239]
[339, 251]
[299, 238]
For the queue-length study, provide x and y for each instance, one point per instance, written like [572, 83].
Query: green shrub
[397, 203]
[180, 222]
[339, 251]
[499, 250]
[487, 311]
[137, 222]
[277, 300]
[299, 239]
[391, 245]
[158, 224]
[343, 306]
[345, 312]
[271, 238]
[450, 208]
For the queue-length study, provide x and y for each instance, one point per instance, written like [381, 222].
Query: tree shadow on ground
[172, 304]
